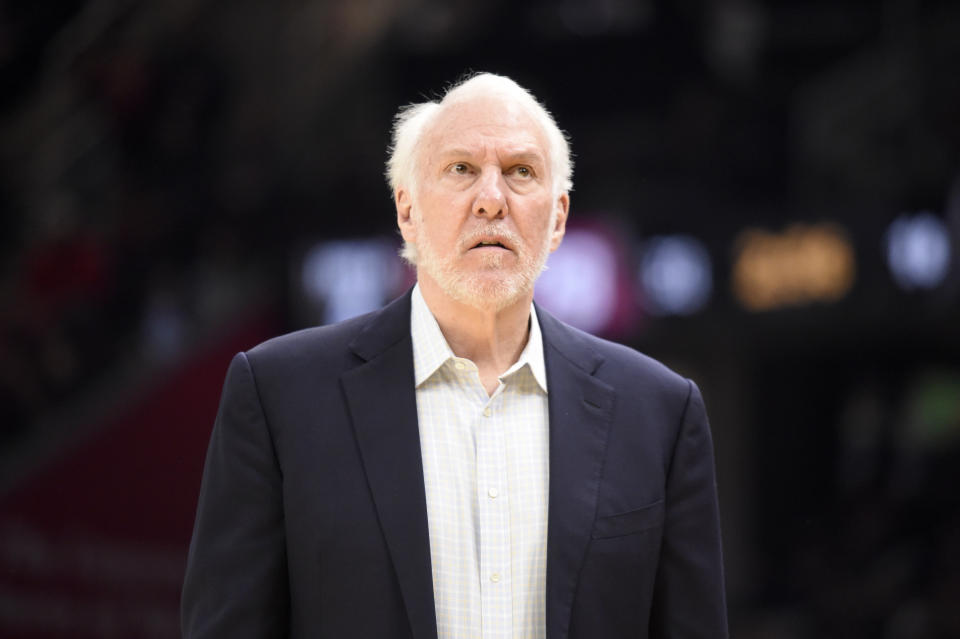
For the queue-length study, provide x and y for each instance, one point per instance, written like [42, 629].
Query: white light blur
[350, 277]
[676, 275]
[918, 251]
[580, 283]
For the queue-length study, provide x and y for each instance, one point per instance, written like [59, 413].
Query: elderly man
[459, 463]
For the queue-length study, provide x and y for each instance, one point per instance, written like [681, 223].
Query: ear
[562, 209]
[405, 222]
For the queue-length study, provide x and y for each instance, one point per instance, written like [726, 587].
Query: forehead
[484, 121]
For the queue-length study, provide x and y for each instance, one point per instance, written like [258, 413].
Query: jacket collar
[383, 410]
[581, 412]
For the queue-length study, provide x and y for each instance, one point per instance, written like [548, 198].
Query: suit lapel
[382, 403]
[581, 409]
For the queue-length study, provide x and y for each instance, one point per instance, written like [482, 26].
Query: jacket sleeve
[689, 600]
[236, 582]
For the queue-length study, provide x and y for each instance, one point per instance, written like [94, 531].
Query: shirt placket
[494, 520]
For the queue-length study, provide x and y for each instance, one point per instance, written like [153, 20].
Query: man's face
[484, 215]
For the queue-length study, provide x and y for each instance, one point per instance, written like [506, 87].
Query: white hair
[412, 120]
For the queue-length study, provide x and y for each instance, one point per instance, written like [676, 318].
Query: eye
[460, 168]
[523, 171]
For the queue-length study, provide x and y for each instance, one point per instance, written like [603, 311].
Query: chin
[490, 286]
[488, 291]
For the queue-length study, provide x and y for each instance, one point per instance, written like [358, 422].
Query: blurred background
[767, 198]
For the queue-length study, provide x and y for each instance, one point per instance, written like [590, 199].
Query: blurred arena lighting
[345, 278]
[918, 250]
[801, 265]
[580, 283]
[676, 275]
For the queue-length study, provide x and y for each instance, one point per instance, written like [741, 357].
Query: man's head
[480, 180]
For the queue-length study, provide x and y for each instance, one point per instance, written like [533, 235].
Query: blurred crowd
[131, 251]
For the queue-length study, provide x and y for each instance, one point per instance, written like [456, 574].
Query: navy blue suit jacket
[312, 518]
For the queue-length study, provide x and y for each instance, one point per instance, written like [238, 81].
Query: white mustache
[499, 234]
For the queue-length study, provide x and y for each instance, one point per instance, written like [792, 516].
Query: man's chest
[486, 480]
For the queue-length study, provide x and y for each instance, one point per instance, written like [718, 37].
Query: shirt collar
[430, 348]
[431, 351]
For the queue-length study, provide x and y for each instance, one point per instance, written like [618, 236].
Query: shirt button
[492, 492]
[459, 366]
[486, 412]
[495, 577]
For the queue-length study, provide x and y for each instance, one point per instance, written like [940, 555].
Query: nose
[491, 201]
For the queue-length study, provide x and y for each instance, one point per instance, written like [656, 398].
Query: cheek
[541, 230]
[440, 236]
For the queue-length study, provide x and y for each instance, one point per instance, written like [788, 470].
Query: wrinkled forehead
[478, 119]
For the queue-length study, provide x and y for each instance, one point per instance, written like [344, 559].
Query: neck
[492, 338]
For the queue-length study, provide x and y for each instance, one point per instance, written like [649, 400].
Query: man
[459, 463]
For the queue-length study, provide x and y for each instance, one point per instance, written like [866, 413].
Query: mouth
[491, 243]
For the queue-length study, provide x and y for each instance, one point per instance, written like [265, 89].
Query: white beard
[494, 286]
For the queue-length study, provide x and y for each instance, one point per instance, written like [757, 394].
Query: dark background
[165, 166]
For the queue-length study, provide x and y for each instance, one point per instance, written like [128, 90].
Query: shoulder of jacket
[331, 340]
[622, 365]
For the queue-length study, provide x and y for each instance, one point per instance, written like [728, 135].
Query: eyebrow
[528, 156]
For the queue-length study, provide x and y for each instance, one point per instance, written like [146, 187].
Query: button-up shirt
[486, 476]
